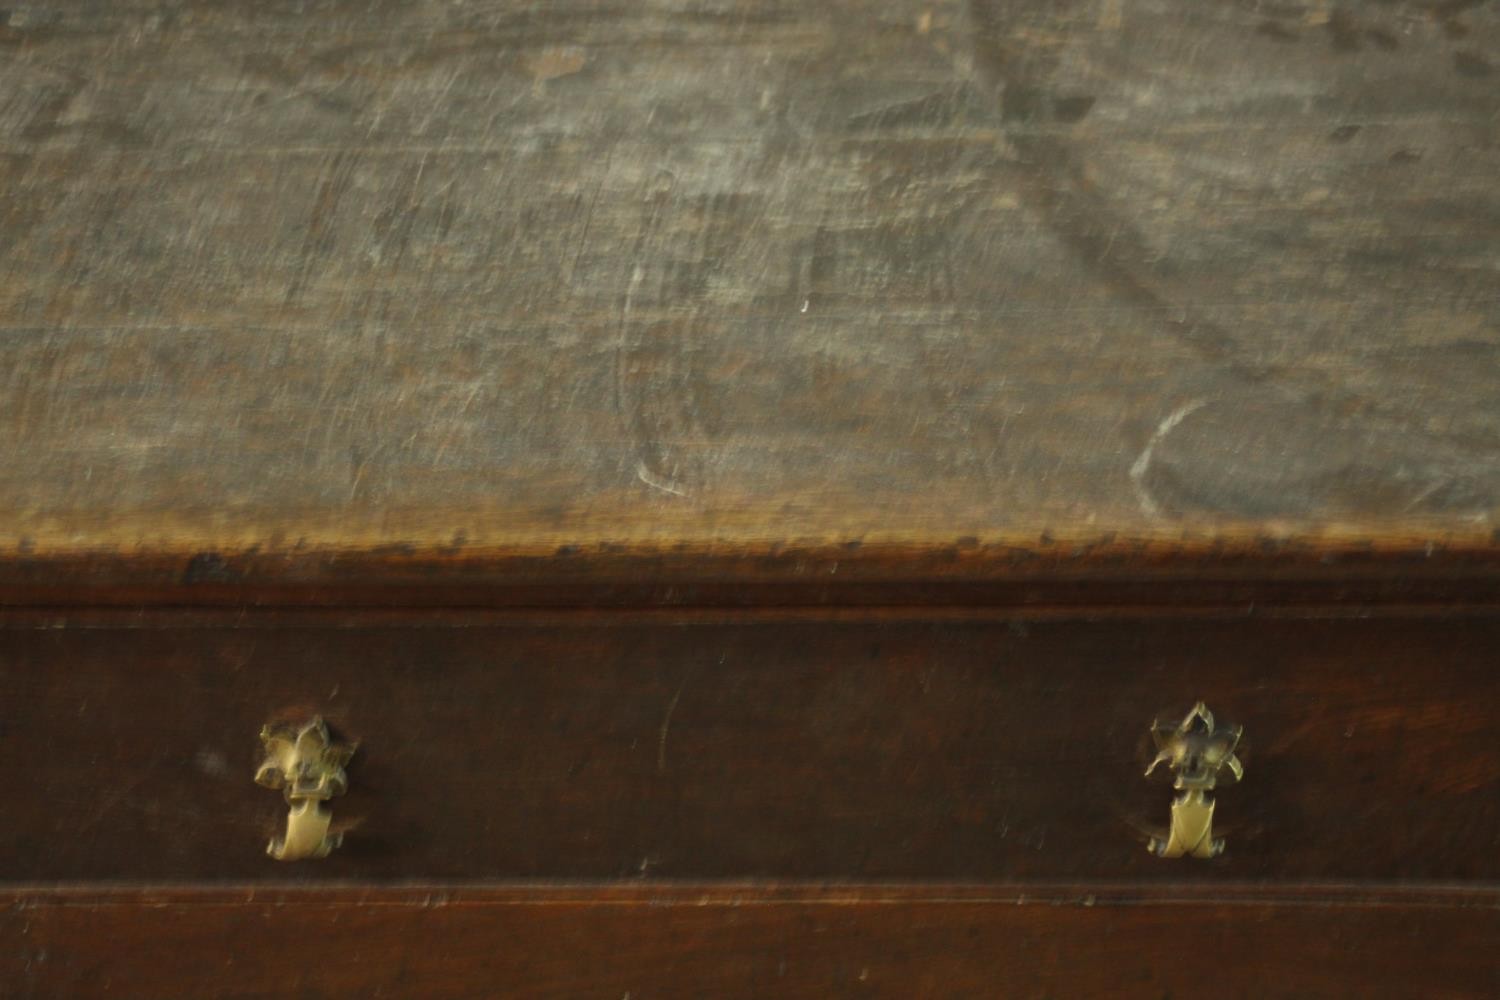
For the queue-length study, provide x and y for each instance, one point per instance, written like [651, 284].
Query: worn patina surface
[724, 274]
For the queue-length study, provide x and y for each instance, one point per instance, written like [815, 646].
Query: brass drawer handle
[1198, 751]
[308, 767]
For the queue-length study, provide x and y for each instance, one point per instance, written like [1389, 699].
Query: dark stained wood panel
[979, 746]
[745, 941]
[731, 273]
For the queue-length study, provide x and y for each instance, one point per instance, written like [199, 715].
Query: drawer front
[961, 746]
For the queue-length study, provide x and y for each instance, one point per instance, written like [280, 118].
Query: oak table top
[722, 278]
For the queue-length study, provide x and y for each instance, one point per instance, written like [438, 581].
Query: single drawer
[974, 745]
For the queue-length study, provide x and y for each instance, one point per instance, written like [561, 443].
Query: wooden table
[746, 477]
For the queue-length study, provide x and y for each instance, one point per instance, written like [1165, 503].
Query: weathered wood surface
[973, 746]
[747, 941]
[503, 277]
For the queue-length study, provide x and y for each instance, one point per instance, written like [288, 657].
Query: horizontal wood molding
[1123, 574]
[698, 940]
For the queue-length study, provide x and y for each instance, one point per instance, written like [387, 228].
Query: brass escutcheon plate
[1199, 752]
[308, 766]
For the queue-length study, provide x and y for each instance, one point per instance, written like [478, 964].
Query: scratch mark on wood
[437, 104]
[338, 175]
[455, 423]
[588, 217]
[652, 465]
[643, 473]
[1143, 463]
[666, 725]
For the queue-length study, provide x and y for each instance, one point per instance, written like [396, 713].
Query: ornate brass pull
[1198, 751]
[308, 767]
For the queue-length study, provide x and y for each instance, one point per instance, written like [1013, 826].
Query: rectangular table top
[719, 276]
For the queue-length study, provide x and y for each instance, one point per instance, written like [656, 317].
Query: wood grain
[982, 745]
[749, 472]
[745, 941]
[725, 276]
